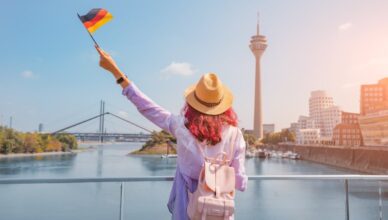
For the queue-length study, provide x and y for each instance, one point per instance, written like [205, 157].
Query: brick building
[348, 132]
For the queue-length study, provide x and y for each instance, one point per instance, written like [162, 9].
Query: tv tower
[258, 45]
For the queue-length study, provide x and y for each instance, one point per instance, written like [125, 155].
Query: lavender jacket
[190, 159]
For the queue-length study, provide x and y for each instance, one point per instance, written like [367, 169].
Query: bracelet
[120, 80]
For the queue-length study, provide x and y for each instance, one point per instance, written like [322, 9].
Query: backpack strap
[233, 142]
[222, 155]
[204, 214]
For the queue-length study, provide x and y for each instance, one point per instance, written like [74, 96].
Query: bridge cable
[97, 116]
[134, 124]
[73, 125]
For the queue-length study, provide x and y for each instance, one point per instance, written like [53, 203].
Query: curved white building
[319, 100]
[325, 114]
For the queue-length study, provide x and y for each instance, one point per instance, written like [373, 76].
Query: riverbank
[41, 154]
[34, 154]
[372, 160]
[154, 150]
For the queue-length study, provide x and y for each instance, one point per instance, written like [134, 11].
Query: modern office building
[294, 127]
[374, 128]
[331, 118]
[374, 97]
[305, 122]
[40, 128]
[324, 113]
[308, 136]
[318, 101]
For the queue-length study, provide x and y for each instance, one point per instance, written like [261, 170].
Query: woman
[207, 125]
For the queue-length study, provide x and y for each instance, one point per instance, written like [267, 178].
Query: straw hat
[209, 95]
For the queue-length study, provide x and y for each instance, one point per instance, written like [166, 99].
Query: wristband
[120, 80]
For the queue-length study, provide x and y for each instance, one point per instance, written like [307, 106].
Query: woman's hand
[107, 62]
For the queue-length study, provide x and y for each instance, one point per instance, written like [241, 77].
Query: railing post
[121, 217]
[380, 201]
[346, 199]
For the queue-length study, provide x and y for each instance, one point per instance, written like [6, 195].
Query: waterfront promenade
[370, 160]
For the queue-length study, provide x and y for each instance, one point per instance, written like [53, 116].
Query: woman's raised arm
[109, 64]
[148, 108]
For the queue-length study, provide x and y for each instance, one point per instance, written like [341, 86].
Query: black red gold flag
[95, 18]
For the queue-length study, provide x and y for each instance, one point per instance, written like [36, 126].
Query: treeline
[162, 137]
[250, 139]
[12, 141]
[277, 137]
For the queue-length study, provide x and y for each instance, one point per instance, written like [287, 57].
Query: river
[268, 200]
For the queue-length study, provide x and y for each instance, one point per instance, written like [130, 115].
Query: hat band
[207, 104]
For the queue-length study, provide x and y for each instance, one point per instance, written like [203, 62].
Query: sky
[49, 69]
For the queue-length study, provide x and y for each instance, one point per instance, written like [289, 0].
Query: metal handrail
[123, 180]
[170, 178]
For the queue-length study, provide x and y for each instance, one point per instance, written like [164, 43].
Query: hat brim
[224, 105]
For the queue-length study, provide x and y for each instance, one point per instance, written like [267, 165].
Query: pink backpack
[214, 197]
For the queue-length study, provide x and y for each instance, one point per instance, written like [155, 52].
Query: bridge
[102, 135]
[111, 137]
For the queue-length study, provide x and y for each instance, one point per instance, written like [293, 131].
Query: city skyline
[157, 50]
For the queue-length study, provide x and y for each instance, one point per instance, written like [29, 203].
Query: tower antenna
[258, 22]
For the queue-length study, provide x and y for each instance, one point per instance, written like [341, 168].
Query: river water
[268, 200]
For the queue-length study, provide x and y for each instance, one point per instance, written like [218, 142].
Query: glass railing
[380, 182]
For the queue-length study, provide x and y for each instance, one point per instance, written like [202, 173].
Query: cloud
[27, 74]
[176, 68]
[123, 114]
[345, 26]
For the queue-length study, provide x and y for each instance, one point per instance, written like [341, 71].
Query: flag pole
[95, 42]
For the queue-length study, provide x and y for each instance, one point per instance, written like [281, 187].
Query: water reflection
[31, 165]
[100, 160]
[157, 165]
[269, 199]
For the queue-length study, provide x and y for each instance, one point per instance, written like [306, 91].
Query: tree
[250, 139]
[277, 137]
[15, 141]
[288, 135]
[7, 146]
[158, 138]
[69, 142]
[2, 138]
[12, 141]
[53, 144]
[31, 143]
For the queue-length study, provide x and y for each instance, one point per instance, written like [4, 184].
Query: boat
[249, 154]
[168, 155]
[294, 156]
[276, 154]
[260, 154]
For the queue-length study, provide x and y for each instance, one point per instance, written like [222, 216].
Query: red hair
[208, 127]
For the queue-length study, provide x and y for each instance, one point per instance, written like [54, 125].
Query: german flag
[95, 18]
